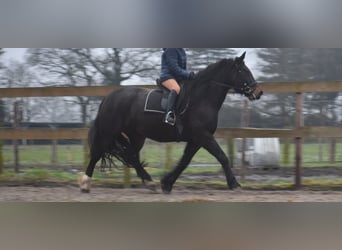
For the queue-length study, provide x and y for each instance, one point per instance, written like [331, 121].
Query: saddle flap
[156, 101]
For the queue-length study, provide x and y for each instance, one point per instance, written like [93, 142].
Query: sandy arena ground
[72, 194]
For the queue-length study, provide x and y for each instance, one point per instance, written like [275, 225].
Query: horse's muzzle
[255, 94]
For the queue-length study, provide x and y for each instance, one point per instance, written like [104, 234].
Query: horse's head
[243, 80]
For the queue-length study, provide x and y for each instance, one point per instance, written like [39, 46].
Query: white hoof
[84, 183]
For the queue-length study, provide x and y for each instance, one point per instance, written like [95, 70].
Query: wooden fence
[298, 132]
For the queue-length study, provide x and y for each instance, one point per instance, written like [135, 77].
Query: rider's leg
[171, 84]
[174, 88]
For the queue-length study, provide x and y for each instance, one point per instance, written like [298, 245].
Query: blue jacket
[174, 65]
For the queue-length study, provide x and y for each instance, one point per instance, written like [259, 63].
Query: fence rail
[75, 134]
[298, 132]
[274, 88]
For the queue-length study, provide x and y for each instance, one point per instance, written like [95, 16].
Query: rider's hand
[192, 75]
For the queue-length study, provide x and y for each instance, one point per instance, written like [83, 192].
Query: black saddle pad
[156, 101]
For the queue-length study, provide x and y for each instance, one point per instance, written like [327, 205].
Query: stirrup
[170, 118]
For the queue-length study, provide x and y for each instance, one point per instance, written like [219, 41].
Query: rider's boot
[170, 117]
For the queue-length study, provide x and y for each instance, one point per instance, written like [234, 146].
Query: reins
[245, 89]
[222, 84]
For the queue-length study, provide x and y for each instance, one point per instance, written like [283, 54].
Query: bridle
[246, 89]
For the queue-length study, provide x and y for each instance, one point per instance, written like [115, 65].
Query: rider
[173, 71]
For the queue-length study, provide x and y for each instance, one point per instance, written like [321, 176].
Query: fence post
[286, 152]
[168, 161]
[231, 150]
[127, 177]
[332, 150]
[1, 155]
[244, 123]
[86, 154]
[54, 143]
[16, 142]
[54, 153]
[1, 147]
[299, 140]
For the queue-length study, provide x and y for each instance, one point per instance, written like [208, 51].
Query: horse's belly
[163, 134]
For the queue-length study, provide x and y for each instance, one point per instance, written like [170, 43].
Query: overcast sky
[17, 54]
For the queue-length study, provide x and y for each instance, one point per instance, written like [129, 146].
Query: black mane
[200, 85]
[212, 69]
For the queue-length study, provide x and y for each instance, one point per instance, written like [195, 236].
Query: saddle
[156, 100]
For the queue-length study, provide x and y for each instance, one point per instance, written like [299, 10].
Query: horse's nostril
[260, 94]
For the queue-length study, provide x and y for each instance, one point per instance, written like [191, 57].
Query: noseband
[245, 89]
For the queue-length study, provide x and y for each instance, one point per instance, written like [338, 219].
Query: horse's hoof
[166, 191]
[235, 186]
[237, 189]
[166, 185]
[151, 186]
[84, 183]
[166, 188]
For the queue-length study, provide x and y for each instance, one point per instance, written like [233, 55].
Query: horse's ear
[239, 60]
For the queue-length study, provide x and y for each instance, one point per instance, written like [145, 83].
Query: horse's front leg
[213, 148]
[169, 179]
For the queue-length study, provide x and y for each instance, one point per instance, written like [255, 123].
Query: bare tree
[199, 58]
[75, 67]
[19, 75]
[117, 65]
[1, 53]
[2, 111]
[2, 116]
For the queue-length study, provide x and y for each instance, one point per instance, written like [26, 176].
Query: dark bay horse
[121, 125]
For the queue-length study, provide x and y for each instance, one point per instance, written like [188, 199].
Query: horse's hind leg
[137, 142]
[95, 155]
[84, 180]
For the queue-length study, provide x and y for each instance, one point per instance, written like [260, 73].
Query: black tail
[120, 148]
[106, 146]
[93, 134]
[124, 151]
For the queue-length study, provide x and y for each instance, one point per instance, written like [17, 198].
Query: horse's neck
[205, 90]
[209, 93]
[216, 95]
